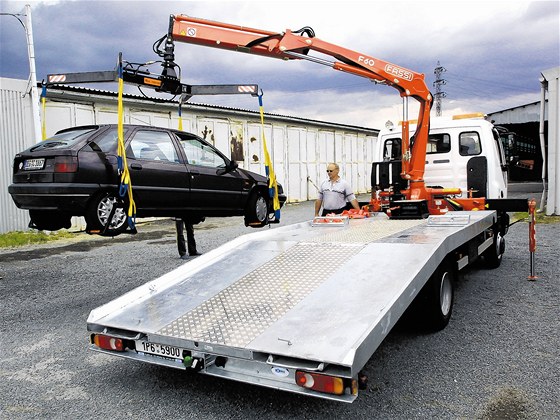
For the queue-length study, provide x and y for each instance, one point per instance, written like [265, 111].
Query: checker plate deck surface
[242, 311]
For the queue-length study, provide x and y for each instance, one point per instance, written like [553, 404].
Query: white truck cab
[463, 151]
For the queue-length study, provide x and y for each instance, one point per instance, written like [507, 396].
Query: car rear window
[64, 140]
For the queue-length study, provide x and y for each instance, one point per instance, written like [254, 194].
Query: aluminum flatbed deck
[317, 298]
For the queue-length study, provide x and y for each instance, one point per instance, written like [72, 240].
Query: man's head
[332, 171]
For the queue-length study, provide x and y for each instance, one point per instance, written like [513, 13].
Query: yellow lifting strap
[272, 184]
[126, 183]
[180, 118]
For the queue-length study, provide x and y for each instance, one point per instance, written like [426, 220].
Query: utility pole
[33, 75]
[439, 82]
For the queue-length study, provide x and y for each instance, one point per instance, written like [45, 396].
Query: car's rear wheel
[98, 215]
[49, 220]
[256, 213]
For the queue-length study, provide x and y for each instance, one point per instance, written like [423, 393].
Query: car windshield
[63, 140]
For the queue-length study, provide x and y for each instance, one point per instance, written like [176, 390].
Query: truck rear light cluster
[324, 383]
[106, 342]
[66, 164]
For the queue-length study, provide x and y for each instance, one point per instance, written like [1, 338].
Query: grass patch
[541, 218]
[15, 239]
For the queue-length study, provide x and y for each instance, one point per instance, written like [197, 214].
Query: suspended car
[173, 173]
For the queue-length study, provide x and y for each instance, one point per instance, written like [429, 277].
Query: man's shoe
[195, 254]
[184, 257]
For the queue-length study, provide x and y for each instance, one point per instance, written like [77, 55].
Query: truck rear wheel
[437, 297]
[492, 257]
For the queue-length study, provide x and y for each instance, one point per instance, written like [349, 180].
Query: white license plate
[163, 350]
[33, 164]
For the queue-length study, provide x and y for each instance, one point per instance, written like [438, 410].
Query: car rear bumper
[71, 198]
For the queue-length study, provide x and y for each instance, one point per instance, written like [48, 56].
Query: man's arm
[318, 204]
[350, 196]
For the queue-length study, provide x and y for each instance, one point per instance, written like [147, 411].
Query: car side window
[469, 144]
[106, 142]
[152, 145]
[201, 154]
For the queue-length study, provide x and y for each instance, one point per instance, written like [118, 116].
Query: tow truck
[303, 307]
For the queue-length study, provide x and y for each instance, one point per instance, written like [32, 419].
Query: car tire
[98, 212]
[256, 212]
[49, 220]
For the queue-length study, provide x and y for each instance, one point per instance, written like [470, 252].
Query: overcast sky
[493, 51]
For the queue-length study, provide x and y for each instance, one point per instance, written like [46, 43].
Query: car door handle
[193, 173]
[135, 166]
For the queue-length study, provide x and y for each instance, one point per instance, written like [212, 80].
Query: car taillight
[66, 164]
[323, 383]
[107, 342]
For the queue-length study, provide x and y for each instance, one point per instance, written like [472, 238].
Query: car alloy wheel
[104, 209]
[99, 211]
[257, 211]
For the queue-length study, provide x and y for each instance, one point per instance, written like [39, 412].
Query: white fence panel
[300, 149]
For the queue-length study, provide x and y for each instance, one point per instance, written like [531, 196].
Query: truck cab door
[439, 164]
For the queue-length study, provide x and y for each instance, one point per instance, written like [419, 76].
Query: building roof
[79, 91]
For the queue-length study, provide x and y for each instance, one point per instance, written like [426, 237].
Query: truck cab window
[469, 144]
[392, 149]
[438, 143]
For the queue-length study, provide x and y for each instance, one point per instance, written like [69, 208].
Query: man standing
[191, 243]
[334, 193]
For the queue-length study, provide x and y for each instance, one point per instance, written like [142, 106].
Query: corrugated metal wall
[16, 130]
[300, 149]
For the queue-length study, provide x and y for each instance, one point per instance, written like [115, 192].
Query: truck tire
[98, 212]
[492, 257]
[256, 212]
[49, 220]
[437, 297]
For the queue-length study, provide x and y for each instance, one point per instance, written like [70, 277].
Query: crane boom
[295, 45]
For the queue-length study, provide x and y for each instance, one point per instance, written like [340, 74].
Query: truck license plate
[33, 164]
[159, 349]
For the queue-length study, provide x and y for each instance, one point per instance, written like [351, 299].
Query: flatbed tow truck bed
[307, 298]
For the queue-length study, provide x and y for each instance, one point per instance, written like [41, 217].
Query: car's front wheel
[49, 220]
[106, 215]
[256, 212]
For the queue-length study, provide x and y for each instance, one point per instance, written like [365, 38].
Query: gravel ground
[497, 359]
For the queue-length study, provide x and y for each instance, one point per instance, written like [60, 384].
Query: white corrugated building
[300, 148]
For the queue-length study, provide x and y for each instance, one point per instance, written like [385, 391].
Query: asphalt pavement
[497, 359]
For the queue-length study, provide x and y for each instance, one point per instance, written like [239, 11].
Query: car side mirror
[231, 166]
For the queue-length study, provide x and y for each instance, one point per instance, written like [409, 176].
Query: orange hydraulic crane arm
[290, 45]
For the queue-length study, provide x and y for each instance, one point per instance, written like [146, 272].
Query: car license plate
[33, 164]
[159, 349]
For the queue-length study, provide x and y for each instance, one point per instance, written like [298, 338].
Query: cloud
[493, 50]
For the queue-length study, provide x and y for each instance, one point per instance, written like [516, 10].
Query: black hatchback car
[173, 173]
